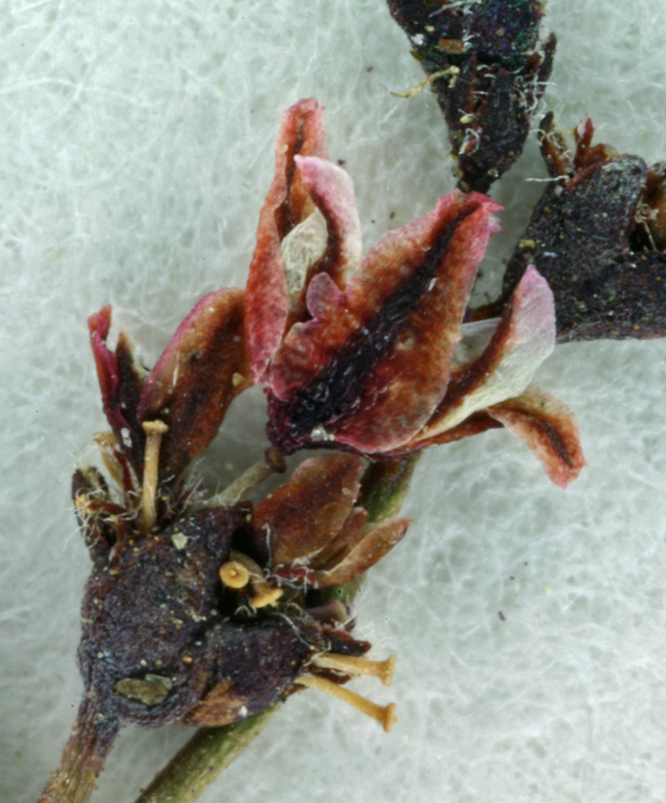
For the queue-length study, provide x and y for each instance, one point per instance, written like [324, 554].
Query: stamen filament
[254, 475]
[356, 665]
[383, 714]
[423, 84]
[107, 443]
[151, 460]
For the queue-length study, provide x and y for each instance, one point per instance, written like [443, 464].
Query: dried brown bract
[598, 236]
[492, 71]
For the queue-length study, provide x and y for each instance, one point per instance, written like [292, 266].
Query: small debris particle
[179, 540]
[453, 47]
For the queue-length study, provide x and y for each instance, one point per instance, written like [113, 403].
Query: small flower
[174, 411]
[198, 612]
[372, 355]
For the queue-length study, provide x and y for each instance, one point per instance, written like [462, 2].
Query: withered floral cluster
[488, 70]
[598, 234]
[204, 612]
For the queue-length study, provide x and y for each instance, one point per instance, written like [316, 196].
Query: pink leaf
[372, 366]
[523, 339]
[287, 204]
[332, 191]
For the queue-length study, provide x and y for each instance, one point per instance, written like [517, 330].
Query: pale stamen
[383, 714]
[241, 570]
[107, 444]
[355, 665]
[151, 460]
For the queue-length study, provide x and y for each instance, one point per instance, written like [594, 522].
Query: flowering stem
[82, 759]
[211, 750]
[254, 475]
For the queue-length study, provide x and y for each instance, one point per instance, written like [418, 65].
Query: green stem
[204, 757]
[385, 486]
[211, 750]
[233, 493]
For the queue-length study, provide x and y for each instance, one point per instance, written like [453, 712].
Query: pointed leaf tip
[548, 428]
[524, 337]
[376, 542]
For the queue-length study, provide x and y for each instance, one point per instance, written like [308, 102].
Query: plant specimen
[210, 611]
[597, 233]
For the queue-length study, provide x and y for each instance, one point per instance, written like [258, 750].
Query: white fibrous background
[136, 147]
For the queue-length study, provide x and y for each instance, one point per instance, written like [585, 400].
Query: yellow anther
[265, 596]
[234, 574]
[354, 665]
[240, 570]
[383, 714]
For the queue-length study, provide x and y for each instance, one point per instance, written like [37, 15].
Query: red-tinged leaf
[204, 367]
[344, 542]
[302, 516]
[376, 543]
[120, 379]
[373, 363]
[287, 204]
[474, 425]
[332, 191]
[99, 324]
[523, 339]
[550, 430]
[131, 376]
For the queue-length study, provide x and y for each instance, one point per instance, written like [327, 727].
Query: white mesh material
[136, 143]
